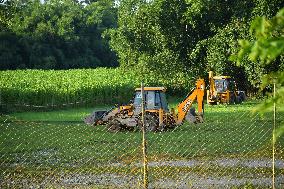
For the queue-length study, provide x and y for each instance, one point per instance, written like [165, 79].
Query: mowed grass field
[36, 144]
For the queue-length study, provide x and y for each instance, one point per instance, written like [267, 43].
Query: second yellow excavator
[223, 89]
[158, 117]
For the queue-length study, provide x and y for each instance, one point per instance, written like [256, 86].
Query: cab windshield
[154, 100]
[222, 85]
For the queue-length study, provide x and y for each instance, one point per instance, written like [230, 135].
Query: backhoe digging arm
[184, 107]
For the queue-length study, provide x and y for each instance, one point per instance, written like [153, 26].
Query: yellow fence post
[144, 142]
[273, 137]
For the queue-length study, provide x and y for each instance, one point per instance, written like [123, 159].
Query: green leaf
[278, 133]
[258, 26]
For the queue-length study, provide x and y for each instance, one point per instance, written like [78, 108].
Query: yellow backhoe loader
[223, 89]
[158, 117]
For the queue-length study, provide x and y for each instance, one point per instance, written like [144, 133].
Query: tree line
[190, 36]
[56, 34]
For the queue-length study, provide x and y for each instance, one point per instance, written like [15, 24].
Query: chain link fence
[55, 149]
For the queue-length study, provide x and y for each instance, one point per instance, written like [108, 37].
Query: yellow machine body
[223, 89]
[157, 114]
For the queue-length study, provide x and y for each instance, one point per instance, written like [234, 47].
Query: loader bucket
[94, 117]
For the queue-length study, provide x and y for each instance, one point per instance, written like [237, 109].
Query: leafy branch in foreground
[268, 49]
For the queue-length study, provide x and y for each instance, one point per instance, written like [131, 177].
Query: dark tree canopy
[56, 34]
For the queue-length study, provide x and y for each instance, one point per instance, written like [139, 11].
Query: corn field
[83, 86]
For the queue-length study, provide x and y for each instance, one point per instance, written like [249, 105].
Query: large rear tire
[151, 123]
[238, 100]
[232, 99]
[242, 96]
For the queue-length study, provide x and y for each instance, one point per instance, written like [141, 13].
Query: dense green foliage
[84, 86]
[193, 37]
[56, 34]
[268, 50]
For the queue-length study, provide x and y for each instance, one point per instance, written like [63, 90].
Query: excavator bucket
[94, 117]
[193, 117]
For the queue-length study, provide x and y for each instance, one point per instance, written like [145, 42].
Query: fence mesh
[55, 149]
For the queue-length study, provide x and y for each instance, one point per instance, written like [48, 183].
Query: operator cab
[155, 98]
[224, 83]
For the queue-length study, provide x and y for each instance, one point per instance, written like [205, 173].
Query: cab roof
[221, 77]
[163, 89]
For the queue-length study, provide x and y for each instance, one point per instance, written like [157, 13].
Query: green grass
[59, 141]
[227, 130]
